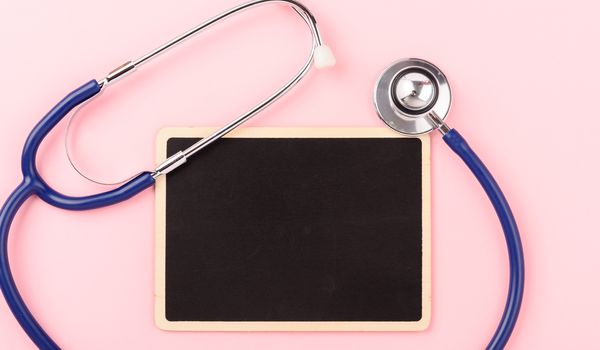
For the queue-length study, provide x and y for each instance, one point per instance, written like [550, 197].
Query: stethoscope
[412, 97]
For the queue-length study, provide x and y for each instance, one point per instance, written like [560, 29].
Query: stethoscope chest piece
[407, 92]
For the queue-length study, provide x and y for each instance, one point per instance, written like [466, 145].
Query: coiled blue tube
[33, 184]
[511, 232]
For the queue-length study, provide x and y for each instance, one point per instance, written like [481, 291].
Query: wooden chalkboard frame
[160, 318]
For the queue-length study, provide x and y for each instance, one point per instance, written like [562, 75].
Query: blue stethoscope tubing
[34, 184]
[516, 284]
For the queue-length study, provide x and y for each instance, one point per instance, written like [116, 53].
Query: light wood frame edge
[259, 132]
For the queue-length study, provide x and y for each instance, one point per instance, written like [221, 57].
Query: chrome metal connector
[119, 72]
[438, 123]
[172, 163]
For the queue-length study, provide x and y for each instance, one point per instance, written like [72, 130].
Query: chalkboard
[294, 229]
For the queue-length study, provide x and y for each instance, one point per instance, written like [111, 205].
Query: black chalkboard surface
[293, 229]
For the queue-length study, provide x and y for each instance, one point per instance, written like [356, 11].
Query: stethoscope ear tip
[323, 57]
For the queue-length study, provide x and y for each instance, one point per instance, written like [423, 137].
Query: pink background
[524, 77]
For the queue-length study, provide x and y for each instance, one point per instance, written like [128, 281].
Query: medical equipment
[413, 97]
[34, 184]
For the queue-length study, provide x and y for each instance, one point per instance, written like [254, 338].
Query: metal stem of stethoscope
[132, 65]
[181, 157]
[413, 97]
[319, 52]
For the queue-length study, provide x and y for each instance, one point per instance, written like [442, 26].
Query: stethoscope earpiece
[407, 95]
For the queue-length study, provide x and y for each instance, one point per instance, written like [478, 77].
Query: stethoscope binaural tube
[33, 184]
[413, 97]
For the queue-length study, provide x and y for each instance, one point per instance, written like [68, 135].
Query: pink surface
[524, 79]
